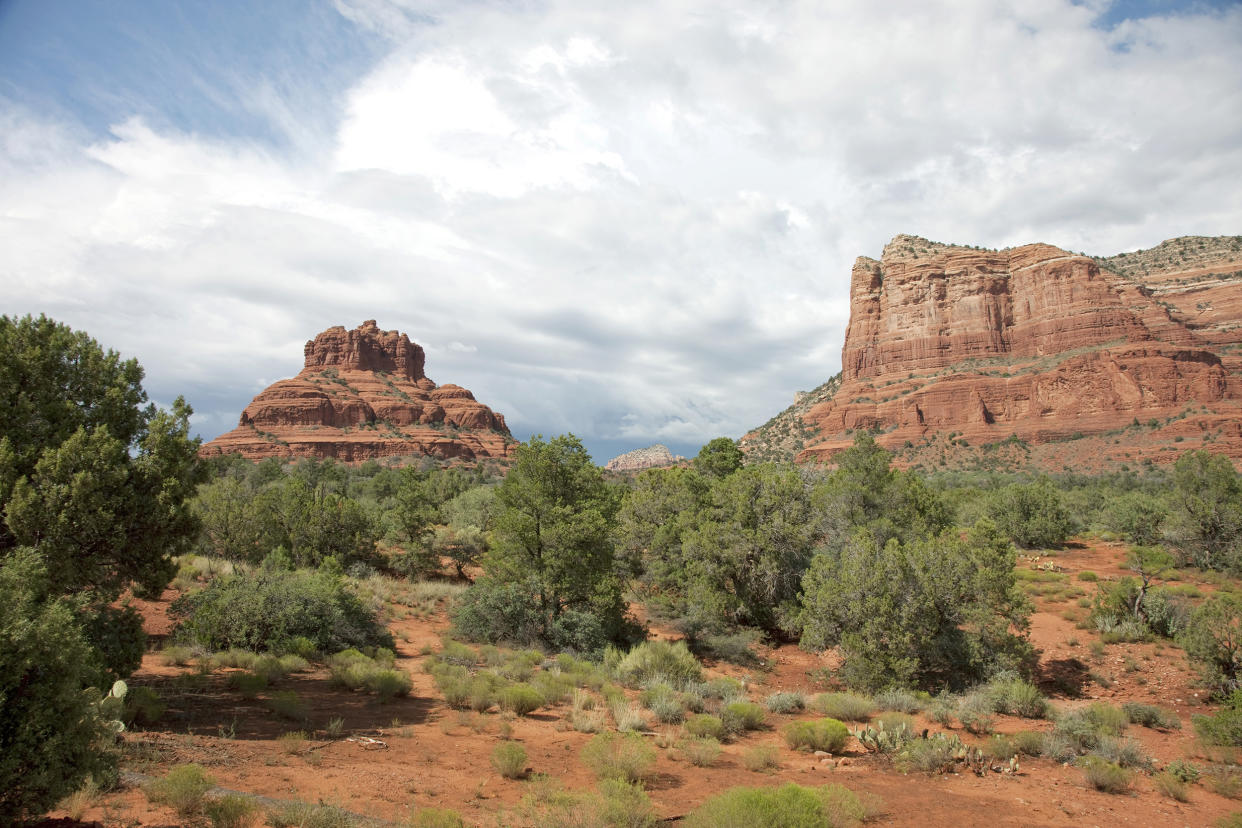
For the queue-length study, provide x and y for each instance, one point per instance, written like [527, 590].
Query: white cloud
[634, 225]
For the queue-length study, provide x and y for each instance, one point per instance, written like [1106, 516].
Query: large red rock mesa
[1041, 343]
[362, 395]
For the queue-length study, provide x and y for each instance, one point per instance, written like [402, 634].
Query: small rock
[822, 753]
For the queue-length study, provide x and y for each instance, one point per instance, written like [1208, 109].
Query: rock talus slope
[363, 395]
[1040, 343]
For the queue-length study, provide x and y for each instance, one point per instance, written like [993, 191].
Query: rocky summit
[651, 457]
[362, 395]
[1102, 361]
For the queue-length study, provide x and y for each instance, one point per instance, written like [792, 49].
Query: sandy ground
[433, 756]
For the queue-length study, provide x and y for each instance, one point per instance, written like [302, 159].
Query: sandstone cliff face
[362, 395]
[652, 457]
[1035, 342]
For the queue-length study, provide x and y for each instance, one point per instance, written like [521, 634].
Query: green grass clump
[1014, 696]
[742, 715]
[622, 756]
[760, 758]
[671, 662]
[786, 702]
[287, 704]
[827, 735]
[520, 699]
[1149, 715]
[900, 701]
[306, 815]
[230, 811]
[509, 760]
[1028, 742]
[847, 707]
[1172, 787]
[183, 789]
[248, 684]
[1105, 776]
[700, 751]
[374, 674]
[1088, 575]
[436, 818]
[936, 754]
[790, 806]
[705, 724]
[892, 720]
[176, 656]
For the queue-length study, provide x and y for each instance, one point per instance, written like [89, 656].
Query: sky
[634, 222]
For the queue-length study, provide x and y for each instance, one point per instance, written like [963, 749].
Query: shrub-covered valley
[312, 643]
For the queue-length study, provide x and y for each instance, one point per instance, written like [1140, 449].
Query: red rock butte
[1039, 343]
[363, 395]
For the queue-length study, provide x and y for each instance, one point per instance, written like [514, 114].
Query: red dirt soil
[438, 757]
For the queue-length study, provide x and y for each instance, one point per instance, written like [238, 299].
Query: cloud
[635, 226]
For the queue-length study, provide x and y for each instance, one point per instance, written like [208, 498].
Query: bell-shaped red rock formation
[361, 395]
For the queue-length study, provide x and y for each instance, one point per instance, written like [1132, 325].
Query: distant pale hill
[644, 458]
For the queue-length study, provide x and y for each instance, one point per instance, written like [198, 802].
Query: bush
[356, 671]
[182, 789]
[622, 756]
[742, 715]
[142, 706]
[1172, 787]
[248, 684]
[1033, 515]
[287, 704]
[437, 818]
[760, 758]
[936, 754]
[1028, 742]
[1016, 697]
[848, 707]
[786, 702]
[1213, 640]
[1125, 752]
[827, 735]
[269, 610]
[790, 806]
[520, 699]
[509, 760]
[50, 729]
[1224, 728]
[230, 811]
[1149, 715]
[1183, 770]
[901, 701]
[705, 725]
[305, 815]
[1104, 775]
[700, 751]
[975, 711]
[671, 662]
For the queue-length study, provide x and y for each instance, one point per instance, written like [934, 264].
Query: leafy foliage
[790, 806]
[268, 610]
[932, 613]
[1205, 519]
[1032, 515]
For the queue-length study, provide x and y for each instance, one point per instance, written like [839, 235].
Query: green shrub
[235, 657]
[436, 818]
[700, 751]
[1013, 696]
[936, 754]
[975, 710]
[305, 815]
[142, 706]
[248, 684]
[176, 656]
[1225, 781]
[183, 789]
[1183, 770]
[827, 735]
[848, 707]
[790, 806]
[1000, 748]
[356, 671]
[288, 705]
[623, 756]
[901, 701]
[520, 699]
[1028, 742]
[1171, 786]
[269, 610]
[1088, 575]
[721, 687]
[1149, 715]
[892, 720]
[230, 811]
[1104, 775]
[705, 725]
[671, 662]
[1224, 728]
[509, 760]
[1033, 515]
[741, 715]
[760, 758]
[786, 702]
[50, 730]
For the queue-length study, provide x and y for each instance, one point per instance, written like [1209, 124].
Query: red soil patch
[438, 757]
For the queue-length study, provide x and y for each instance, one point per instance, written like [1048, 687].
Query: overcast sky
[633, 221]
